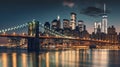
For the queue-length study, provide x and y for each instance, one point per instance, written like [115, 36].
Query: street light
[23, 33]
[14, 33]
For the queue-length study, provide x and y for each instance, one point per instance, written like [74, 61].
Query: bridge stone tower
[33, 31]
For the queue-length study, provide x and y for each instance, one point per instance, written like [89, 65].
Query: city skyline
[13, 12]
[59, 33]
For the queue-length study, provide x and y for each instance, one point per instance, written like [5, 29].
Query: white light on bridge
[21, 26]
[4, 33]
[17, 27]
[8, 29]
[2, 30]
[11, 28]
[5, 30]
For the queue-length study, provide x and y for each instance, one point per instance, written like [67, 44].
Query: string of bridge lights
[14, 28]
[50, 31]
[26, 24]
[53, 32]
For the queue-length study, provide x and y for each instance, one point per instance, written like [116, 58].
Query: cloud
[93, 11]
[68, 3]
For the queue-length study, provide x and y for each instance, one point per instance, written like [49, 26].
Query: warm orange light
[47, 59]
[56, 55]
[24, 60]
[4, 60]
[14, 60]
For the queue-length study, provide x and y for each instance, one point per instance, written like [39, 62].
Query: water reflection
[33, 60]
[100, 58]
[14, 60]
[68, 58]
[4, 60]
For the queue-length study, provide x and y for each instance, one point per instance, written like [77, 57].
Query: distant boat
[93, 46]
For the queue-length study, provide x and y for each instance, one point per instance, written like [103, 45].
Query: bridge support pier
[33, 30]
[33, 44]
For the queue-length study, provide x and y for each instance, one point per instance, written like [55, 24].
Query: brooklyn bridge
[34, 38]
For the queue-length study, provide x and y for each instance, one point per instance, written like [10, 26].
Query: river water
[64, 58]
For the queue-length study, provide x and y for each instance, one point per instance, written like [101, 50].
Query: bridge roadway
[58, 37]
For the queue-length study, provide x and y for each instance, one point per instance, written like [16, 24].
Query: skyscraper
[56, 23]
[73, 21]
[104, 21]
[97, 27]
[80, 25]
[66, 23]
[46, 27]
[59, 23]
[112, 34]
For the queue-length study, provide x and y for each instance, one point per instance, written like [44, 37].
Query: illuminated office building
[73, 21]
[81, 25]
[112, 34]
[56, 23]
[104, 21]
[66, 23]
[97, 27]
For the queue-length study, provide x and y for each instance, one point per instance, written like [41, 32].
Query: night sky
[16, 12]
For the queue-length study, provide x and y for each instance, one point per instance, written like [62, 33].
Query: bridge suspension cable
[14, 28]
[53, 32]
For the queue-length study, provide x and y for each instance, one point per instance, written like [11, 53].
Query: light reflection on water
[68, 58]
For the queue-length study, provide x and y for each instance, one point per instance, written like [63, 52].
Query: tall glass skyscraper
[104, 21]
[73, 21]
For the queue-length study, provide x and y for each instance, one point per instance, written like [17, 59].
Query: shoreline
[6, 49]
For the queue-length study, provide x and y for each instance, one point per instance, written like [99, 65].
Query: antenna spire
[104, 8]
